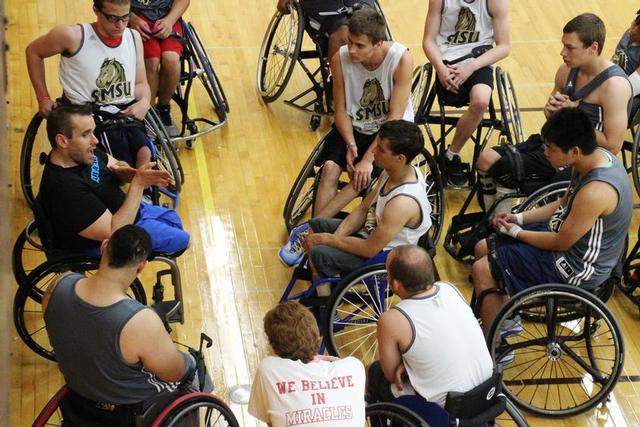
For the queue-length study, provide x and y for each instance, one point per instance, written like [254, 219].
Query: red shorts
[154, 47]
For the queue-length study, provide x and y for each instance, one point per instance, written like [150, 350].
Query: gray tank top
[594, 111]
[152, 9]
[86, 340]
[590, 261]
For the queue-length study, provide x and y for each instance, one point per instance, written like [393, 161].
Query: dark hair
[368, 22]
[128, 246]
[59, 120]
[412, 266]
[98, 4]
[570, 127]
[637, 18]
[292, 331]
[404, 138]
[589, 28]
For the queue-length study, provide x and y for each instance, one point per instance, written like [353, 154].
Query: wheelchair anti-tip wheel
[279, 52]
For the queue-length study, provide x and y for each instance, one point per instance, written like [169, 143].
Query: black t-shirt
[74, 198]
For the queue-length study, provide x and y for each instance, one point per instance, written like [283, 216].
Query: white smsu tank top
[464, 24]
[98, 73]
[367, 93]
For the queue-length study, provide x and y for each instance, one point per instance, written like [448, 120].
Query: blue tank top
[590, 261]
[86, 340]
[594, 111]
[627, 54]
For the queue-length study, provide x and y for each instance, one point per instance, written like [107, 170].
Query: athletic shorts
[335, 149]
[519, 265]
[482, 76]
[165, 228]
[123, 143]
[154, 47]
[317, 25]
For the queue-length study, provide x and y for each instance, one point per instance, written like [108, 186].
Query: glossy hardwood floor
[238, 177]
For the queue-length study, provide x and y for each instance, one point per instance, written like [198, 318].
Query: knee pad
[508, 171]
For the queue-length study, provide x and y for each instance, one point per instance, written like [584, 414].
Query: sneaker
[507, 358]
[164, 111]
[292, 253]
[511, 327]
[456, 172]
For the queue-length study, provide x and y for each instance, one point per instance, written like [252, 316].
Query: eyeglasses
[115, 18]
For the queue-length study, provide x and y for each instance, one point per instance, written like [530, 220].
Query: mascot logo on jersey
[111, 82]
[465, 29]
[372, 101]
[144, 2]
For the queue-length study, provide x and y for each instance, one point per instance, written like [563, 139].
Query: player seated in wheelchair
[577, 239]
[158, 21]
[397, 212]
[100, 63]
[429, 343]
[333, 27]
[80, 192]
[300, 386]
[585, 80]
[115, 354]
[371, 84]
[453, 29]
[627, 56]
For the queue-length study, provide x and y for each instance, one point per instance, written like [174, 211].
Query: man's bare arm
[430, 47]
[616, 92]
[391, 325]
[142, 91]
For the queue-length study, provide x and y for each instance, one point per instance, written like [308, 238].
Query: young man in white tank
[100, 63]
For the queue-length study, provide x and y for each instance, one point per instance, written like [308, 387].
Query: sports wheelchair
[425, 91]
[36, 147]
[196, 65]
[176, 409]
[282, 48]
[301, 198]
[36, 264]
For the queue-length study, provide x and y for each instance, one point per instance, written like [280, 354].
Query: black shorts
[317, 25]
[482, 76]
[335, 149]
[535, 166]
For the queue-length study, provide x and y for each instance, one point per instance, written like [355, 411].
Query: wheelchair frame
[316, 100]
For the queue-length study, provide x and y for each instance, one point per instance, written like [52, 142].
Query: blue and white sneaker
[292, 253]
[506, 358]
[511, 327]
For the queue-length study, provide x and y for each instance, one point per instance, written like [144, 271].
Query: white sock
[450, 154]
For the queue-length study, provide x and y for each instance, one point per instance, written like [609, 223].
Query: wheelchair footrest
[169, 311]
[463, 234]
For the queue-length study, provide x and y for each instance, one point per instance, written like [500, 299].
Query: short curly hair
[292, 331]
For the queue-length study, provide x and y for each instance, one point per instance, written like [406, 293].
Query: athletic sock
[488, 188]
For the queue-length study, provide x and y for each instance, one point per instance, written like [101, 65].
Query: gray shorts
[329, 261]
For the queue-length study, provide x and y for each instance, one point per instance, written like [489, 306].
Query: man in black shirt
[80, 189]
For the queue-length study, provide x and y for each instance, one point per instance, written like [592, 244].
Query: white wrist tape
[634, 79]
[513, 231]
[520, 218]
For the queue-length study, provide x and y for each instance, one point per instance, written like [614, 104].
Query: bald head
[412, 266]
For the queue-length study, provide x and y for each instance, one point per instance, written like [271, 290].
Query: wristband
[513, 231]
[520, 218]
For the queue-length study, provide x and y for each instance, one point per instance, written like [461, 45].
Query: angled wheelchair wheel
[51, 415]
[510, 112]
[28, 253]
[33, 155]
[384, 414]
[165, 154]
[420, 86]
[196, 409]
[543, 196]
[302, 194]
[564, 362]
[206, 73]
[378, 8]
[354, 308]
[279, 52]
[28, 316]
[635, 161]
[435, 192]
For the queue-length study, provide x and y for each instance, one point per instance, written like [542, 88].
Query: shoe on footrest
[292, 253]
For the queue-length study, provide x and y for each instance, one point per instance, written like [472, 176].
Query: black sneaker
[456, 172]
[164, 111]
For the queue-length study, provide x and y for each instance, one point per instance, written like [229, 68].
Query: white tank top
[464, 25]
[367, 93]
[448, 351]
[98, 73]
[417, 190]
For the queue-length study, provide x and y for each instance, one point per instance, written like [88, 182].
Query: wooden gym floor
[238, 177]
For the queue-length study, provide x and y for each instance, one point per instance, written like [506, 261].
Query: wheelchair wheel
[420, 85]
[279, 52]
[197, 409]
[354, 308]
[510, 112]
[543, 196]
[635, 162]
[33, 155]
[378, 8]
[435, 191]
[302, 193]
[385, 414]
[28, 316]
[51, 415]
[166, 155]
[564, 363]
[511, 417]
[28, 253]
[208, 77]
